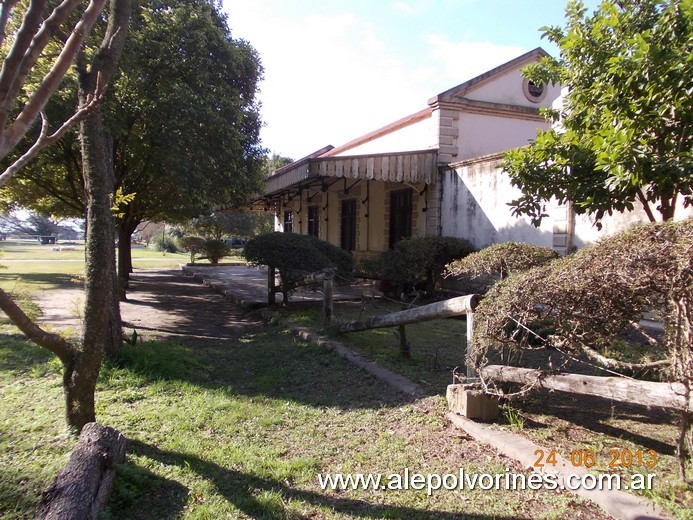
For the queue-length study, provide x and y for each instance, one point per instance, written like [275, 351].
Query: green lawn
[241, 429]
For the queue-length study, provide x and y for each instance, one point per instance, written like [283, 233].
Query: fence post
[472, 374]
[270, 285]
[327, 299]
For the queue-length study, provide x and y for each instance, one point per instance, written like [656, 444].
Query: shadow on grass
[267, 362]
[250, 493]
[18, 355]
[601, 415]
[61, 280]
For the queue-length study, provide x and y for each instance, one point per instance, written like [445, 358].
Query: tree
[32, 224]
[183, 70]
[224, 223]
[623, 135]
[81, 362]
[184, 120]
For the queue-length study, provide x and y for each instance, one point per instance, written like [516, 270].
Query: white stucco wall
[586, 232]
[482, 134]
[421, 135]
[507, 89]
[474, 207]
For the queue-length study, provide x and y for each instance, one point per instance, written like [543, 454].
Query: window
[288, 222]
[535, 92]
[314, 221]
[400, 215]
[348, 238]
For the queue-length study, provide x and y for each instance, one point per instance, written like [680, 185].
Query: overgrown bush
[591, 302]
[214, 250]
[295, 256]
[417, 262]
[497, 262]
[164, 243]
[192, 245]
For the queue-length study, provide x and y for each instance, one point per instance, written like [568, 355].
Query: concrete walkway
[247, 285]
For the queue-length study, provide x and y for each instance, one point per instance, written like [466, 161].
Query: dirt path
[161, 302]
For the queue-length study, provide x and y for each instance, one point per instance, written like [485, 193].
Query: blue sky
[337, 69]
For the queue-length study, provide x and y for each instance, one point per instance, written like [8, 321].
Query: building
[434, 172]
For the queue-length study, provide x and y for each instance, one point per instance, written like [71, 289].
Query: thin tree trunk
[124, 260]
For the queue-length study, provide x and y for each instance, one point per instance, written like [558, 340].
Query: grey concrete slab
[247, 285]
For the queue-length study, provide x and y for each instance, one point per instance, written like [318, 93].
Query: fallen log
[445, 309]
[646, 393]
[82, 488]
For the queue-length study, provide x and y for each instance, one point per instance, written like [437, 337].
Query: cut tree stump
[82, 488]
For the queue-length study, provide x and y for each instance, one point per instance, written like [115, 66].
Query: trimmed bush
[417, 262]
[214, 250]
[295, 256]
[591, 304]
[192, 245]
[498, 261]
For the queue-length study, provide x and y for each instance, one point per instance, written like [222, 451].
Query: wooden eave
[416, 167]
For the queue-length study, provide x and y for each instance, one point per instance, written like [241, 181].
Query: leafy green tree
[184, 120]
[274, 162]
[27, 82]
[183, 71]
[224, 223]
[623, 136]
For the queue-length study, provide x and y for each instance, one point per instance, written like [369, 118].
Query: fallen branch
[83, 487]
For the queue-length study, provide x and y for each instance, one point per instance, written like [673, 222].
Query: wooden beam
[445, 309]
[645, 393]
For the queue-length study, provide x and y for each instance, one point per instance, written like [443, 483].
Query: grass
[241, 429]
[556, 420]
[437, 347]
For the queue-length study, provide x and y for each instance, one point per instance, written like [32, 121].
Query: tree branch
[56, 344]
[44, 140]
[11, 63]
[646, 205]
[6, 7]
[52, 79]
[44, 34]
[614, 364]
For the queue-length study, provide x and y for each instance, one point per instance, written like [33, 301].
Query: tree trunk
[124, 258]
[102, 324]
[82, 488]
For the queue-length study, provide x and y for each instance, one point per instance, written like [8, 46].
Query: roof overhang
[415, 167]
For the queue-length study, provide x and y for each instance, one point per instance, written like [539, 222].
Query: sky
[337, 69]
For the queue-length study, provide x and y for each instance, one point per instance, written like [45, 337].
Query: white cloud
[467, 59]
[330, 78]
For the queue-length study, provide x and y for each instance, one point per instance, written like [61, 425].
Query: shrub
[295, 256]
[417, 262]
[165, 244]
[214, 250]
[592, 303]
[498, 261]
[192, 245]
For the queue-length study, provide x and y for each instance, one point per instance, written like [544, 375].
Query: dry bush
[591, 303]
[483, 268]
